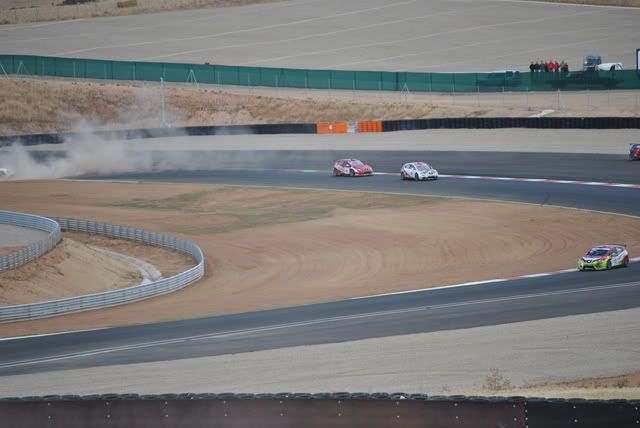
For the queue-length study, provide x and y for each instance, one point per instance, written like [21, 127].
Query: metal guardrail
[119, 296]
[33, 251]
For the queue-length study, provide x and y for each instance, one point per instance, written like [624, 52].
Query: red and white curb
[488, 281]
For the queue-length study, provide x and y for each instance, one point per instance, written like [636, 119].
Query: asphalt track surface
[425, 311]
[404, 35]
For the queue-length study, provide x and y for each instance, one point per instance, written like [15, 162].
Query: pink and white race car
[351, 167]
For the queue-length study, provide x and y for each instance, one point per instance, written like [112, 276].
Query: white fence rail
[33, 251]
[119, 296]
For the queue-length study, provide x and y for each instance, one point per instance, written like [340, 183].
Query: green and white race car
[604, 257]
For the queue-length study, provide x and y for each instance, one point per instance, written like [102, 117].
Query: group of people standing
[546, 67]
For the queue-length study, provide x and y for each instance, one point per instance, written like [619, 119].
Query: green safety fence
[28, 65]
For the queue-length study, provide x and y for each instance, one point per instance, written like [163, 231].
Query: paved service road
[411, 35]
[14, 236]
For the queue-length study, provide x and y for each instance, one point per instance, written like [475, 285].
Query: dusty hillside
[40, 105]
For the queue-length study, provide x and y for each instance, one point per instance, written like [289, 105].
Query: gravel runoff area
[411, 35]
[531, 352]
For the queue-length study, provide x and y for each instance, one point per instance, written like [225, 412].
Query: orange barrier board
[332, 128]
[370, 126]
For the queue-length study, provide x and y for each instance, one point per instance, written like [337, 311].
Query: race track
[424, 311]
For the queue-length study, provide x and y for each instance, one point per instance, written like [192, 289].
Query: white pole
[164, 123]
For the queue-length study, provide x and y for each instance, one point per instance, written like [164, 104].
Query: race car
[418, 171]
[5, 173]
[634, 152]
[351, 167]
[603, 257]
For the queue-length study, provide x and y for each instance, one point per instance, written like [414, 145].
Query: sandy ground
[65, 270]
[21, 11]
[53, 10]
[469, 361]
[70, 269]
[275, 248]
[404, 35]
[50, 105]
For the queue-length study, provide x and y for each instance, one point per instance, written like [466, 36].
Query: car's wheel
[336, 172]
[417, 177]
[609, 264]
[625, 262]
[402, 175]
[352, 173]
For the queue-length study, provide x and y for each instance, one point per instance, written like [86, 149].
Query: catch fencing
[119, 296]
[29, 65]
[24, 255]
[320, 410]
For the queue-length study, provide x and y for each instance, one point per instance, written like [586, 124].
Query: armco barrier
[29, 65]
[189, 131]
[119, 296]
[30, 252]
[513, 122]
[363, 126]
[321, 410]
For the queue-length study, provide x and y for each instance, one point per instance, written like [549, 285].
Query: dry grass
[626, 386]
[33, 105]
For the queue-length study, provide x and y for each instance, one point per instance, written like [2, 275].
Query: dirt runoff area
[50, 105]
[267, 248]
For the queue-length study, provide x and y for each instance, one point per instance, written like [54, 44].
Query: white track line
[493, 178]
[100, 351]
[489, 281]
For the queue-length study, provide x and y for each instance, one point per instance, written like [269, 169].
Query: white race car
[418, 171]
[5, 173]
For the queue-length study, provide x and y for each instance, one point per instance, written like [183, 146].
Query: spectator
[565, 67]
[531, 67]
[556, 66]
